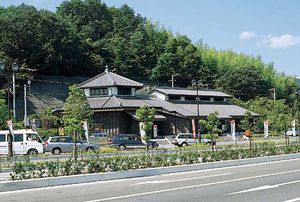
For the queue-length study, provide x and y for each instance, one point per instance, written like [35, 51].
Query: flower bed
[28, 170]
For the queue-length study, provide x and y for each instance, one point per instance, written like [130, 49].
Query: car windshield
[33, 137]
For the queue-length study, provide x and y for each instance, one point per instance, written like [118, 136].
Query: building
[114, 100]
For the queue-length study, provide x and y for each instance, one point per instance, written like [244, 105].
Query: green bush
[95, 164]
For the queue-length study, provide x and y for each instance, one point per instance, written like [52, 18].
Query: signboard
[86, 130]
[155, 131]
[194, 128]
[294, 127]
[266, 128]
[232, 124]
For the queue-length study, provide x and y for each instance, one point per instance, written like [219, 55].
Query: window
[172, 97]
[190, 98]
[33, 137]
[205, 98]
[2, 138]
[18, 137]
[219, 99]
[98, 91]
[124, 91]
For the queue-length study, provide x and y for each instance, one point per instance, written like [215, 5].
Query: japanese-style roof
[190, 92]
[225, 110]
[107, 79]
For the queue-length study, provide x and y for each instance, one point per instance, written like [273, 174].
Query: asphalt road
[275, 181]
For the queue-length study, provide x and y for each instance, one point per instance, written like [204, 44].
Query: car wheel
[184, 144]
[56, 151]
[122, 147]
[90, 149]
[32, 152]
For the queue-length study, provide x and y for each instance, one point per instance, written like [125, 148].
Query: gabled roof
[107, 79]
[190, 92]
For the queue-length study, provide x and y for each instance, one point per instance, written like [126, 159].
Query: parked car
[24, 142]
[62, 144]
[125, 141]
[99, 137]
[291, 133]
[185, 139]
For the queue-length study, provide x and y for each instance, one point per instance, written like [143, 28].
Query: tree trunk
[75, 155]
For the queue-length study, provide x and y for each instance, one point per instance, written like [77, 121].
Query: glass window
[33, 137]
[190, 98]
[2, 138]
[174, 97]
[205, 98]
[219, 99]
[18, 137]
[124, 91]
[55, 139]
[98, 91]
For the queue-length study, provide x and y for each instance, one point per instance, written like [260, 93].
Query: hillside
[82, 37]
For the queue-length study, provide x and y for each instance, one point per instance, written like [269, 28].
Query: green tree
[3, 111]
[212, 126]
[244, 83]
[146, 116]
[76, 111]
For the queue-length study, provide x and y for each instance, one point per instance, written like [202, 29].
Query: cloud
[284, 41]
[247, 35]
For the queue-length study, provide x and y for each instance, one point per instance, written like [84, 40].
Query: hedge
[28, 170]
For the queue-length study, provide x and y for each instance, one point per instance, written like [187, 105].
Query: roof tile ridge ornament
[120, 103]
[109, 74]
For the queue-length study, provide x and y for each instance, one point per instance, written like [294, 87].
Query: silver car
[185, 139]
[63, 144]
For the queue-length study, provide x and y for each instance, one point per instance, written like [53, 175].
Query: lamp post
[15, 68]
[197, 83]
[26, 121]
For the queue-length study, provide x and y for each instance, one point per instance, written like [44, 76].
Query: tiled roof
[109, 79]
[191, 92]
[225, 110]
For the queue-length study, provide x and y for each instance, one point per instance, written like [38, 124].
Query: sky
[269, 28]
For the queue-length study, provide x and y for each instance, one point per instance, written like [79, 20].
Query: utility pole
[274, 94]
[26, 121]
[15, 68]
[172, 81]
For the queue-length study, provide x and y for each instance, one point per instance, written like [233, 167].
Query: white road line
[179, 180]
[189, 187]
[141, 178]
[293, 200]
[263, 188]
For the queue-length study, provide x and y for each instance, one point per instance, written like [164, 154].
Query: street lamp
[26, 120]
[15, 68]
[197, 84]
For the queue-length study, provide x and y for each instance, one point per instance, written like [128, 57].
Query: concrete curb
[75, 179]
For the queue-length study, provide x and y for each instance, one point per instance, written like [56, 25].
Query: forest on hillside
[83, 36]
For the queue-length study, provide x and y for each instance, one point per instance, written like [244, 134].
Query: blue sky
[269, 28]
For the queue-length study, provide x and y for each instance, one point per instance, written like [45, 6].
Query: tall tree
[76, 111]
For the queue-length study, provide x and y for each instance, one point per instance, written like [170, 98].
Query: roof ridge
[109, 75]
[126, 78]
[106, 101]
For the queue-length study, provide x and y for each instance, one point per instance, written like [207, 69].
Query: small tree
[146, 116]
[76, 110]
[247, 125]
[212, 126]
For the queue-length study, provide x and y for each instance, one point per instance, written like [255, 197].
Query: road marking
[191, 186]
[179, 180]
[263, 188]
[139, 178]
[293, 200]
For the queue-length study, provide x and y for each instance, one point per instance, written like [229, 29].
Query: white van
[24, 142]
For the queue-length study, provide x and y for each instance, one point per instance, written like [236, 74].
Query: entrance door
[18, 144]
[3, 144]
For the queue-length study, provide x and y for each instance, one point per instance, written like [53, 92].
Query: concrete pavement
[270, 181]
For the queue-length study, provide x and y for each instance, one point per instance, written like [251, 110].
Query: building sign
[266, 128]
[232, 123]
[194, 128]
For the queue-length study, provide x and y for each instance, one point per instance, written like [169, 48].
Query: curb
[95, 177]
